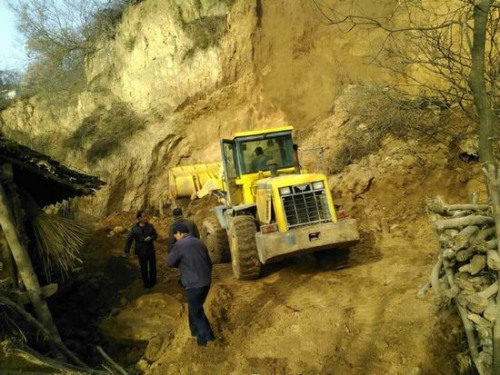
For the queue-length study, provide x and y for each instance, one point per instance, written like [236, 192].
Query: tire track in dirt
[298, 318]
[345, 315]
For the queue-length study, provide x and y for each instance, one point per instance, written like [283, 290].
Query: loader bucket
[187, 180]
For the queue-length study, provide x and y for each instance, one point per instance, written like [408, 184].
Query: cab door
[231, 172]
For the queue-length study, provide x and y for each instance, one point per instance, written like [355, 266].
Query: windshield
[256, 153]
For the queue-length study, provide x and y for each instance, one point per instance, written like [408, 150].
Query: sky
[12, 52]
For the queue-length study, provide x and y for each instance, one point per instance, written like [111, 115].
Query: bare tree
[434, 38]
[456, 41]
[60, 34]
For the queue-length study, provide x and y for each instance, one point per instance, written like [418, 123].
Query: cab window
[228, 154]
[257, 152]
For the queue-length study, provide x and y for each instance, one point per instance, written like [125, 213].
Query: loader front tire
[244, 257]
[215, 238]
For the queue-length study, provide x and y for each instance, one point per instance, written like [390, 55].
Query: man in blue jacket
[179, 218]
[144, 234]
[190, 255]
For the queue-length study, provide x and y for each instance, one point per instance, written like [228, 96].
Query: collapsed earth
[336, 161]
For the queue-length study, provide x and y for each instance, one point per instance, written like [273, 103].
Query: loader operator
[259, 161]
[179, 218]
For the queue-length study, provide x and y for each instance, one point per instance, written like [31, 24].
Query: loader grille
[305, 206]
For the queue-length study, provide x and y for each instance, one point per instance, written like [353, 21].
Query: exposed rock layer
[184, 74]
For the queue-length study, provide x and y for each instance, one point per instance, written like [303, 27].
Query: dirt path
[296, 319]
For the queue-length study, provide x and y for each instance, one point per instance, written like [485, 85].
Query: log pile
[466, 272]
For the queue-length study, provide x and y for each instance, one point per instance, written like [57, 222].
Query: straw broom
[58, 239]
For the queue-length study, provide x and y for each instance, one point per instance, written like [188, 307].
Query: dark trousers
[198, 322]
[148, 269]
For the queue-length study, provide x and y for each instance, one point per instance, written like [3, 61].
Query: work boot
[203, 342]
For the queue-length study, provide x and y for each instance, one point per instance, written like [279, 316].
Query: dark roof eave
[59, 181]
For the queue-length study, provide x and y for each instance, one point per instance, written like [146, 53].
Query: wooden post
[25, 267]
[8, 275]
[493, 182]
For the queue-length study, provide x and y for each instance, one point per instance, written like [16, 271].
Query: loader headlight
[318, 185]
[285, 190]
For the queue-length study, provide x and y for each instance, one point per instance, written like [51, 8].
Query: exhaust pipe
[273, 167]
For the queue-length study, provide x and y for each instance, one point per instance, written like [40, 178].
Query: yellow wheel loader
[271, 208]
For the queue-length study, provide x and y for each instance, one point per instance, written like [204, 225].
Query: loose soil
[300, 317]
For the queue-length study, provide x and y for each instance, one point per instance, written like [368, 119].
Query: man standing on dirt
[179, 218]
[144, 234]
[190, 255]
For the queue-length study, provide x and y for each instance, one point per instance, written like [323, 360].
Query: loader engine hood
[289, 180]
[295, 200]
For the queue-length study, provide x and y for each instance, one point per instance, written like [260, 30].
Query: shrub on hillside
[60, 35]
[378, 113]
[204, 32]
[54, 77]
[104, 131]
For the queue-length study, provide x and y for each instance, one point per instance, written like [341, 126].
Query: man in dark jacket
[190, 255]
[144, 234]
[178, 218]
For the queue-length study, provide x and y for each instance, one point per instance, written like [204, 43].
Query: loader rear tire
[244, 257]
[215, 238]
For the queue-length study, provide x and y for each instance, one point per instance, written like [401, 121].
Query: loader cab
[245, 157]
[249, 152]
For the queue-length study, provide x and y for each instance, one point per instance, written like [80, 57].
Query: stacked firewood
[466, 271]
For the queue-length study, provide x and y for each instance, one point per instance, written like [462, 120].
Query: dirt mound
[300, 318]
[119, 223]
[117, 219]
[364, 319]
[158, 312]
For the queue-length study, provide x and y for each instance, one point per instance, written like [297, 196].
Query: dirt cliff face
[180, 75]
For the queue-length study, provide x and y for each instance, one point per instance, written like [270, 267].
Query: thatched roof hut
[45, 179]
[29, 181]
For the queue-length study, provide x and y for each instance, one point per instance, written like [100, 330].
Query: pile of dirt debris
[299, 318]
